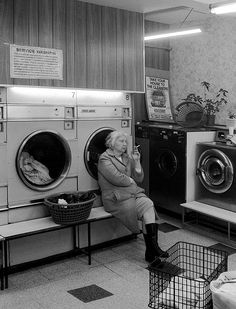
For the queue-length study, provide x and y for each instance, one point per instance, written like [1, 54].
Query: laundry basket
[70, 207]
[183, 279]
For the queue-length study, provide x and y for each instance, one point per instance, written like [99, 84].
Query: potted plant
[211, 104]
[231, 122]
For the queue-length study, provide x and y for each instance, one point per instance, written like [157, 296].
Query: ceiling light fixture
[223, 9]
[171, 34]
[178, 32]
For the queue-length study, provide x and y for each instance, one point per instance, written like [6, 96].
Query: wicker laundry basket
[70, 207]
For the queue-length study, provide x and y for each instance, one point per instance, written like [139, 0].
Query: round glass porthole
[95, 146]
[43, 160]
[215, 171]
[167, 163]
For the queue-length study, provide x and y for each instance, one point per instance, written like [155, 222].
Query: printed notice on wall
[158, 100]
[35, 62]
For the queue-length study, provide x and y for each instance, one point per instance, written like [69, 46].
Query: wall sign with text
[158, 100]
[35, 62]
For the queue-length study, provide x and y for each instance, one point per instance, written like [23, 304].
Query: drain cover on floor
[220, 246]
[89, 293]
[166, 227]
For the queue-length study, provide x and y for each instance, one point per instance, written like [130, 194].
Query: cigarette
[136, 147]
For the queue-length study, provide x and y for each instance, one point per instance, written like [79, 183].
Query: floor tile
[119, 270]
[223, 247]
[166, 227]
[90, 293]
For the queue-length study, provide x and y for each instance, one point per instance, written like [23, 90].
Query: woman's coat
[118, 191]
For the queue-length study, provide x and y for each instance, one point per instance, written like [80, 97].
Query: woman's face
[120, 144]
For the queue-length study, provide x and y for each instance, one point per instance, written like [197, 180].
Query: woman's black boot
[150, 253]
[152, 230]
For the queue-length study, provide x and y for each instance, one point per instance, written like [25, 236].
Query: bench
[43, 225]
[212, 211]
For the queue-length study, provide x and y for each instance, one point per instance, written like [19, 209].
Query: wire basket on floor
[71, 207]
[183, 279]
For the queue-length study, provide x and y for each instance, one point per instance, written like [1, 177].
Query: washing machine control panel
[171, 135]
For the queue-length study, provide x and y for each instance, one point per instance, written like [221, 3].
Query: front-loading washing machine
[216, 181]
[99, 113]
[41, 152]
[172, 164]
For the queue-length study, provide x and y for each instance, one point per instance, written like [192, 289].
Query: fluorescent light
[223, 9]
[170, 34]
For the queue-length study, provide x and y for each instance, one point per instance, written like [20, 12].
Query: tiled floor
[118, 277]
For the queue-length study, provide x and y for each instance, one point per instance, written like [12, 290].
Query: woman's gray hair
[112, 137]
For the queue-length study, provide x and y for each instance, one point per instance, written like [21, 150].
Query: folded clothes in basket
[182, 293]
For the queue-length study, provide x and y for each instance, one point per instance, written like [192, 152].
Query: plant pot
[231, 125]
[210, 120]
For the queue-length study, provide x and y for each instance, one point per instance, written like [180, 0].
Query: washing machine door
[167, 163]
[215, 171]
[94, 147]
[43, 160]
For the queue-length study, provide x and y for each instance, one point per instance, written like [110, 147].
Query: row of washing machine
[50, 141]
[186, 164]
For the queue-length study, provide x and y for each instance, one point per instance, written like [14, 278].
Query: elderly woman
[117, 177]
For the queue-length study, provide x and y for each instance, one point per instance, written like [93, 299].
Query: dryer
[3, 156]
[216, 168]
[99, 113]
[41, 148]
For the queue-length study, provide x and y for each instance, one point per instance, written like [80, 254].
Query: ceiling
[164, 11]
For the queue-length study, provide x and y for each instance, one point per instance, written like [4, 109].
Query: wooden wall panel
[156, 52]
[120, 49]
[80, 59]
[139, 48]
[6, 38]
[157, 58]
[59, 35]
[109, 65]
[102, 47]
[94, 46]
[33, 29]
[21, 29]
[129, 51]
[45, 30]
[70, 43]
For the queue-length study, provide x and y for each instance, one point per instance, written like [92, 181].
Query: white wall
[209, 56]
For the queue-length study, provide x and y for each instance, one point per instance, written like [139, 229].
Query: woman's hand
[136, 158]
[136, 154]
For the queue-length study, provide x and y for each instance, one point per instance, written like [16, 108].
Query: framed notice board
[158, 99]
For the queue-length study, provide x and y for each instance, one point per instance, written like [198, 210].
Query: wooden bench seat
[36, 226]
[212, 211]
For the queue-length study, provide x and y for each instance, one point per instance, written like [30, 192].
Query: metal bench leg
[6, 263]
[74, 238]
[89, 243]
[2, 267]
[229, 230]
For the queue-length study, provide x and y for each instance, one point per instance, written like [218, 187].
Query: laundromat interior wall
[88, 35]
[102, 47]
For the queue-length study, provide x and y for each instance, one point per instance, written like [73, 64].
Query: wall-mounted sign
[158, 100]
[35, 62]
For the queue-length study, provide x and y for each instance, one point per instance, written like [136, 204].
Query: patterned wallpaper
[209, 56]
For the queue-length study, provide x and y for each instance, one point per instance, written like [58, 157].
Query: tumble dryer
[3, 156]
[41, 152]
[99, 113]
[216, 168]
